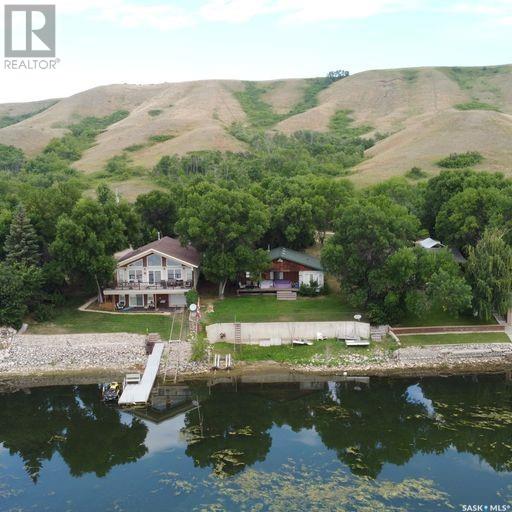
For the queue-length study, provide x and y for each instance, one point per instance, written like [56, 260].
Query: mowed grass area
[453, 338]
[70, 320]
[439, 318]
[269, 309]
[320, 352]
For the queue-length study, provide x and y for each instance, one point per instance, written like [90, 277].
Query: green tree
[449, 292]
[158, 213]
[21, 245]
[224, 225]
[11, 158]
[20, 291]
[463, 219]
[292, 224]
[367, 232]
[441, 188]
[489, 271]
[413, 281]
[87, 238]
[45, 206]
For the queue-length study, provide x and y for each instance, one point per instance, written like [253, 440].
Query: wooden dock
[139, 393]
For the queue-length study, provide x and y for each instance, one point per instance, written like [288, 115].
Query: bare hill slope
[426, 114]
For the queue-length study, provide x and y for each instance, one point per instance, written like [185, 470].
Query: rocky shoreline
[29, 354]
[88, 358]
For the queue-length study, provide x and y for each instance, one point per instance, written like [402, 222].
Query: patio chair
[120, 305]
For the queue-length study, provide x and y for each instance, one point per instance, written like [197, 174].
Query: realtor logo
[29, 30]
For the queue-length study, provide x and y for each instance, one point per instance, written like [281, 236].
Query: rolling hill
[421, 114]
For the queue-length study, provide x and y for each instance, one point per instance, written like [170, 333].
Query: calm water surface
[390, 445]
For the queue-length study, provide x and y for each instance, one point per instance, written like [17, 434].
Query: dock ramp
[138, 393]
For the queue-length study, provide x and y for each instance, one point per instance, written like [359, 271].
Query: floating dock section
[139, 393]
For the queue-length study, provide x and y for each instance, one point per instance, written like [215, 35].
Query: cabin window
[154, 260]
[137, 263]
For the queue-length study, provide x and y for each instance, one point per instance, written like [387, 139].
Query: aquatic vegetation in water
[297, 486]
[224, 459]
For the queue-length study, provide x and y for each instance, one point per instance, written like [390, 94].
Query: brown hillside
[429, 138]
[414, 107]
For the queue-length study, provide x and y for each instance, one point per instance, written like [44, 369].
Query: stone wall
[255, 332]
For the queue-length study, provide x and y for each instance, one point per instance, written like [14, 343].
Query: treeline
[284, 190]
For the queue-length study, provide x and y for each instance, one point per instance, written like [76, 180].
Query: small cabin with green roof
[287, 270]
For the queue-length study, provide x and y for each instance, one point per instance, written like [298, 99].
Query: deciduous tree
[224, 225]
[489, 271]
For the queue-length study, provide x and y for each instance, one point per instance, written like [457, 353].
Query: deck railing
[161, 285]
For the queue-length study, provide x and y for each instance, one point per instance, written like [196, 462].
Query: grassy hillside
[419, 115]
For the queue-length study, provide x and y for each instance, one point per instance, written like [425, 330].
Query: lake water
[369, 445]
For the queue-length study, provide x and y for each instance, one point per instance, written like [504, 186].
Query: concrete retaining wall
[255, 332]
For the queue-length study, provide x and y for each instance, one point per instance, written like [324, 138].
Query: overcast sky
[149, 41]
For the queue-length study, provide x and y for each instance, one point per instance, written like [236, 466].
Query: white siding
[306, 276]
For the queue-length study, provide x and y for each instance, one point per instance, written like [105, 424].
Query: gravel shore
[117, 353]
[38, 354]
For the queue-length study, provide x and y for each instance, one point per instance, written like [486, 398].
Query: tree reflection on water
[71, 421]
[366, 425]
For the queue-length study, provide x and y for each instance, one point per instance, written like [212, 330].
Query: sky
[100, 42]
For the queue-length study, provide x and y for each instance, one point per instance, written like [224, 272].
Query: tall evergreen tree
[21, 246]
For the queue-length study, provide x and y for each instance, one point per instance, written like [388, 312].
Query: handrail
[163, 285]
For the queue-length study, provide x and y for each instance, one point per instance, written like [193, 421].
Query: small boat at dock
[111, 392]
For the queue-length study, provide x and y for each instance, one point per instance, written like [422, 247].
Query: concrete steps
[286, 295]
[378, 332]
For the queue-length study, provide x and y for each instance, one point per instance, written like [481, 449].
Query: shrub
[160, 138]
[155, 112]
[309, 290]
[199, 348]
[135, 147]
[415, 173]
[341, 125]
[461, 160]
[44, 312]
[192, 296]
[476, 105]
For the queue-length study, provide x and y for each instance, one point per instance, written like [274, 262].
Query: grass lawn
[434, 318]
[70, 320]
[443, 339]
[269, 309]
[320, 352]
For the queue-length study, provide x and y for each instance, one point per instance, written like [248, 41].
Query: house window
[155, 276]
[154, 260]
[134, 275]
[136, 300]
[174, 273]
[137, 263]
